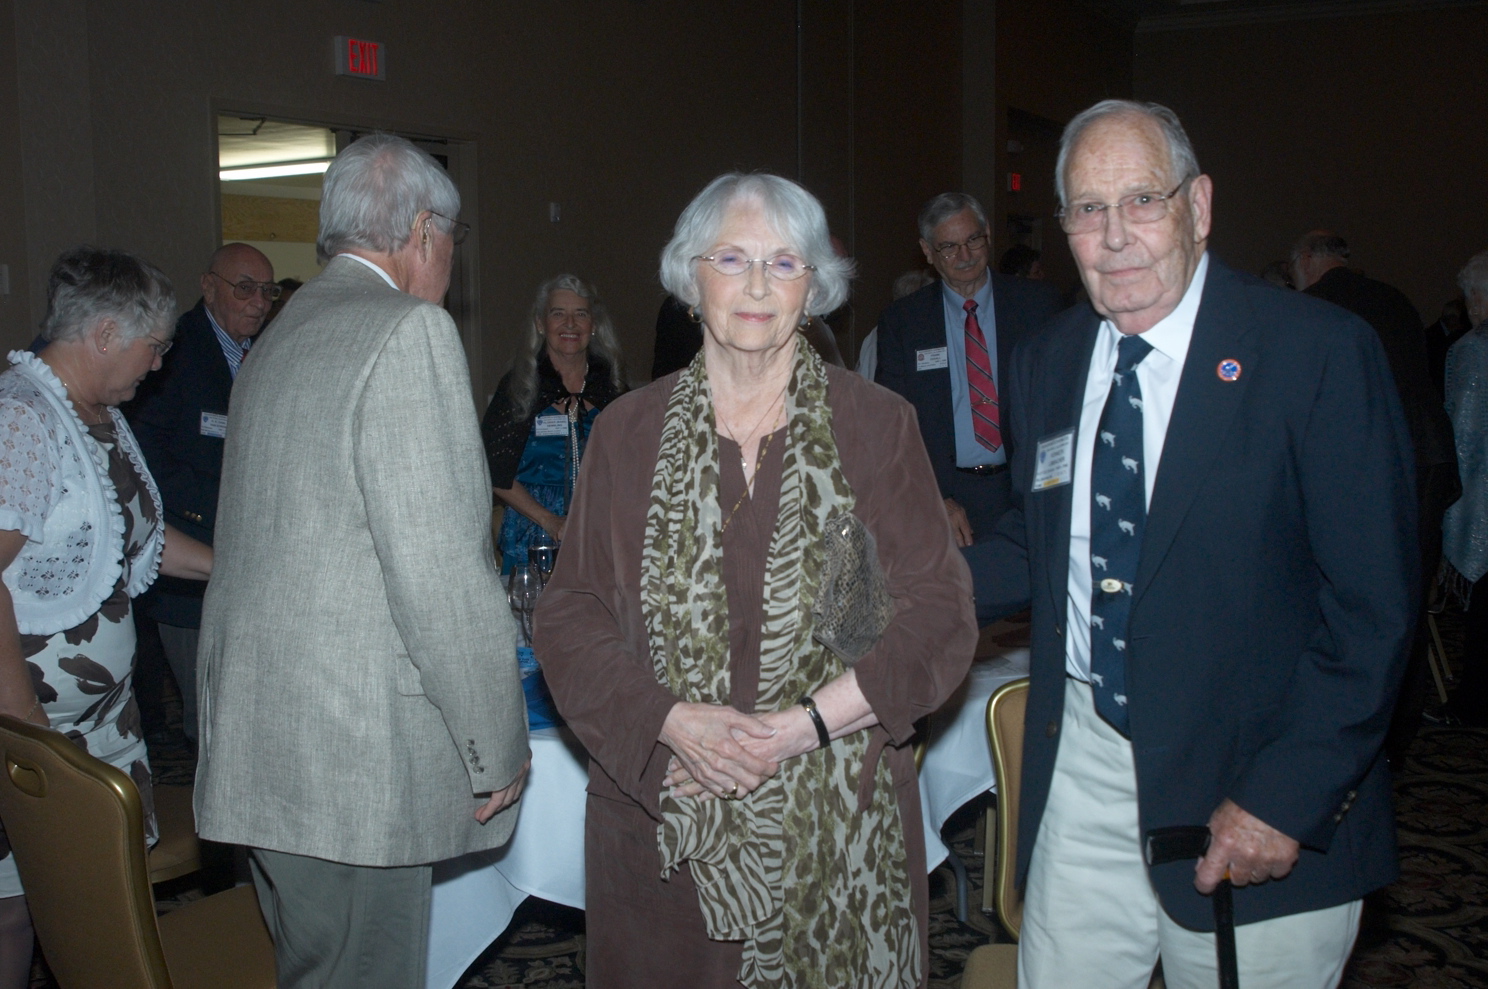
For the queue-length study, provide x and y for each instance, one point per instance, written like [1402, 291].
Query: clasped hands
[718, 751]
[1245, 848]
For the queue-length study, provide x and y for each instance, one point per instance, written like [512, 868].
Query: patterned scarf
[817, 889]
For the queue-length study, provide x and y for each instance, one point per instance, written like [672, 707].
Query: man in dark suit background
[180, 419]
[1214, 521]
[1320, 267]
[931, 349]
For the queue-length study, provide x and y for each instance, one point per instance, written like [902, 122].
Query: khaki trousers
[1091, 917]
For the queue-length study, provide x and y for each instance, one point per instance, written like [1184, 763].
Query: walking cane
[1189, 842]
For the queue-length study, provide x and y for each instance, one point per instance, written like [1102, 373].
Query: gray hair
[796, 217]
[89, 284]
[945, 206]
[602, 341]
[1182, 161]
[1473, 278]
[374, 190]
[1321, 244]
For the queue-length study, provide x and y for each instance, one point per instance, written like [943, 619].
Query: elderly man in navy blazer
[1214, 522]
[180, 419]
[944, 347]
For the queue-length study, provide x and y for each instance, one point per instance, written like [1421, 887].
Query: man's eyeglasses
[1140, 207]
[973, 244]
[162, 347]
[459, 229]
[247, 287]
[782, 267]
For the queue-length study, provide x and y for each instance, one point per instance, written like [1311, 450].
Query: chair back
[76, 828]
[1005, 713]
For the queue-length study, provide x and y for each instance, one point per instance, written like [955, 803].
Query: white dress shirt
[361, 260]
[1158, 375]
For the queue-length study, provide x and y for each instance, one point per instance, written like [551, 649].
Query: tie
[986, 420]
[1118, 512]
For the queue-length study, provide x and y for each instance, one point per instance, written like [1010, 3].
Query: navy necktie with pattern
[1118, 512]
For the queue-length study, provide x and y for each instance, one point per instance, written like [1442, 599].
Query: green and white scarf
[818, 891]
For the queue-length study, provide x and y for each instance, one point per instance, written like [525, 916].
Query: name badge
[214, 424]
[1054, 463]
[931, 360]
[552, 425]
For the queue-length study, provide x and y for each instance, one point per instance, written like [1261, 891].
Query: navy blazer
[917, 322]
[187, 465]
[1276, 596]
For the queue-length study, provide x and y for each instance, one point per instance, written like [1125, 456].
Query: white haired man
[362, 713]
[1233, 657]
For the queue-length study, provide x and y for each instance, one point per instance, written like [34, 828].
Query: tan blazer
[357, 678]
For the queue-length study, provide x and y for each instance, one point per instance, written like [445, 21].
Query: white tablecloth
[475, 896]
[958, 760]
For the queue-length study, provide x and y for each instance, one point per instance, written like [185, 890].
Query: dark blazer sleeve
[166, 419]
[1355, 476]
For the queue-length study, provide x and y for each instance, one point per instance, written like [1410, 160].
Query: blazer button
[1351, 795]
[1051, 729]
[1059, 631]
[1337, 818]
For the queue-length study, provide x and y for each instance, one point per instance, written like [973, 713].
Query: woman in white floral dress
[80, 528]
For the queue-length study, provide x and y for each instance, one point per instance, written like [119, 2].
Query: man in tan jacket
[361, 708]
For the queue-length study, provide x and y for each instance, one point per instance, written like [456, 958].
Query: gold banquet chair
[178, 852]
[995, 966]
[76, 828]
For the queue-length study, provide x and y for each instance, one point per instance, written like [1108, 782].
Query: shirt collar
[223, 337]
[982, 296]
[377, 268]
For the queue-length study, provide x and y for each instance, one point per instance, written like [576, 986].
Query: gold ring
[733, 791]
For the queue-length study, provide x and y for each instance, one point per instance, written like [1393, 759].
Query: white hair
[1473, 278]
[1182, 161]
[374, 190]
[602, 340]
[89, 284]
[945, 206]
[790, 210]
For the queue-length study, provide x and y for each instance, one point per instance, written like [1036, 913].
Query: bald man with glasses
[180, 419]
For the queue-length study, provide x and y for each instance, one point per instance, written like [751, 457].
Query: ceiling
[256, 141]
[1172, 15]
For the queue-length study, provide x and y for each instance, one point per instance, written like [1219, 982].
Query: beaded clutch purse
[853, 607]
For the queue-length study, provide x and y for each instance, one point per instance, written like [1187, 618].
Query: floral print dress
[82, 675]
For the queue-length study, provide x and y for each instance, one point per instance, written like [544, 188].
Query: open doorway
[270, 173]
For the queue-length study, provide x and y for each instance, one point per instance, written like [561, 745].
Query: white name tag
[1054, 463]
[553, 425]
[214, 424]
[931, 360]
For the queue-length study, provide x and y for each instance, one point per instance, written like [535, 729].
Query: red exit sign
[360, 58]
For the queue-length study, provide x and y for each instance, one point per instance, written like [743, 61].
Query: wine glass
[542, 553]
[522, 592]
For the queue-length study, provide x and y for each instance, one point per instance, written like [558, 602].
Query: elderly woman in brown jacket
[753, 812]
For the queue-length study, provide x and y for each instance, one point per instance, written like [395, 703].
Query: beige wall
[619, 111]
[1368, 125]
[1054, 59]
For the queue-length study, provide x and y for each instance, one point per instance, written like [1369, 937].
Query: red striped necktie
[986, 419]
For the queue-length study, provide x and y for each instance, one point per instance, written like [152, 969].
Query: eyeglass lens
[973, 244]
[782, 267]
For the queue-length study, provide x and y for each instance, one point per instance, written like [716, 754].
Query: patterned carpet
[1429, 930]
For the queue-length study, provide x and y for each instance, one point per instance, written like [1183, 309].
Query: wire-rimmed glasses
[247, 287]
[782, 267]
[1088, 215]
